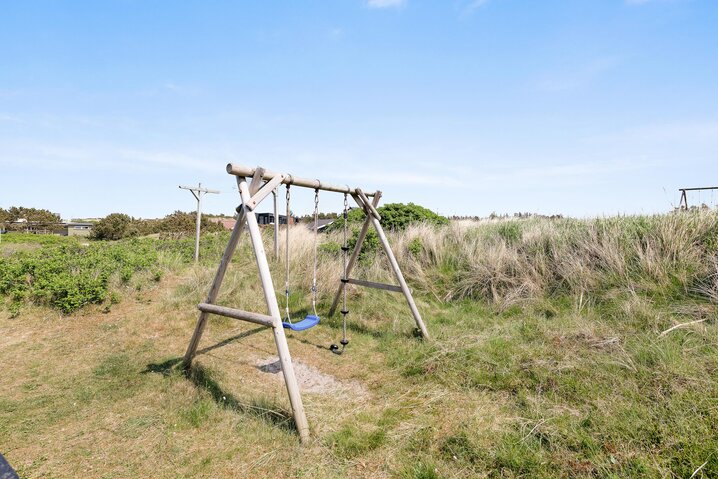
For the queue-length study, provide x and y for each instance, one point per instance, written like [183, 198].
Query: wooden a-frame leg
[372, 216]
[400, 277]
[218, 277]
[354, 256]
[285, 359]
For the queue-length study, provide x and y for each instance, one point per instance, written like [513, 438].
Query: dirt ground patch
[312, 380]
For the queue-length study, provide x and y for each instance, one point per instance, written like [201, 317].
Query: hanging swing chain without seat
[345, 279]
[345, 250]
[316, 233]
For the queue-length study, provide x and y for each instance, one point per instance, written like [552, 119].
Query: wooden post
[400, 277]
[355, 255]
[197, 192]
[280, 339]
[218, 277]
[198, 224]
[361, 201]
[276, 226]
[214, 289]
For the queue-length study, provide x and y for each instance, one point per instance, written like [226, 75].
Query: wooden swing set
[263, 183]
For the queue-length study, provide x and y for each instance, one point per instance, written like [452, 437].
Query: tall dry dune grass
[511, 261]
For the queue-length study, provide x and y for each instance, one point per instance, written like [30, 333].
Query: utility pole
[276, 226]
[197, 192]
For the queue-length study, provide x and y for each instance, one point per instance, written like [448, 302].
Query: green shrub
[180, 224]
[368, 247]
[32, 215]
[510, 231]
[68, 276]
[113, 227]
[397, 216]
[331, 248]
[415, 247]
[126, 274]
[394, 216]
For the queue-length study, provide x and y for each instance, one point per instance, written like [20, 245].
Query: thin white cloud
[10, 119]
[577, 77]
[106, 157]
[645, 2]
[685, 135]
[496, 176]
[176, 89]
[386, 3]
[473, 5]
[7, 94]
[335, 33]
[385, 178]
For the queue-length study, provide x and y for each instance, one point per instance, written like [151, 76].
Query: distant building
[263, 219]
[321, 224]
[77, 229]
[227, 223]
[268, 219]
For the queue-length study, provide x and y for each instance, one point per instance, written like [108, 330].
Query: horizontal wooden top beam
[247, 171]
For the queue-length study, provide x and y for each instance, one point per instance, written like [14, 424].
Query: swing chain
[345, 250]
[286, 260]
[316, 233]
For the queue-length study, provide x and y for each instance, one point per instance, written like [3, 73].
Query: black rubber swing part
[336, 349]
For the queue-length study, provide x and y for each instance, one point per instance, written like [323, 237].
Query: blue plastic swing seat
[309, 322]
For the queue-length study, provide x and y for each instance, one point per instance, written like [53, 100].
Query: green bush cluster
[369, 246]
[33, 239]
[397, 216]
[117, 226]
[62, 273]
[67, 275]
[32, 215]
[394, 216]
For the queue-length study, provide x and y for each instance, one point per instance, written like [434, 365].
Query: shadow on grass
[359, 328]
[353, 327]
[201, 378]
[269, 412]
[310, 343]
[171, 366]
[231, 339]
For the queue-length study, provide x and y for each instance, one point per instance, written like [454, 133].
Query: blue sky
[577, 107]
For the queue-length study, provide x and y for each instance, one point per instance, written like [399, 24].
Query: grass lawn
[544, 391]
[557, 385]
